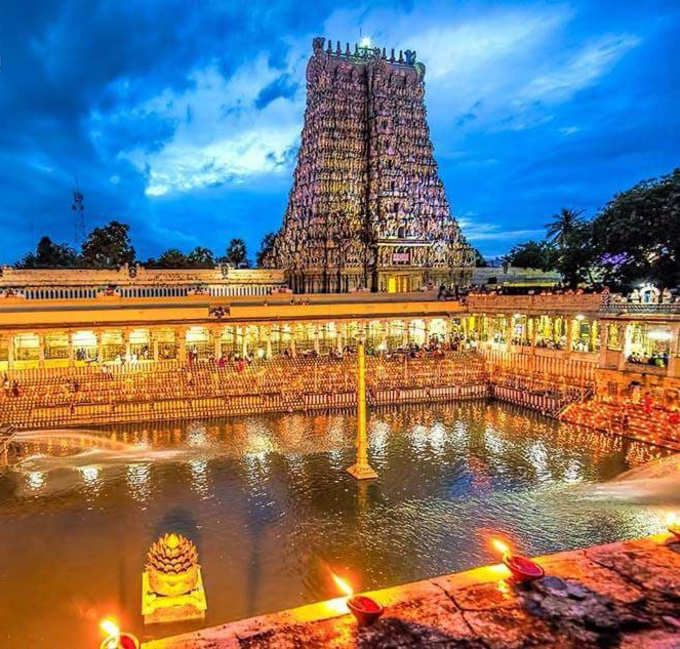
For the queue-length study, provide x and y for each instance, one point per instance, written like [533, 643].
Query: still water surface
[272, 510]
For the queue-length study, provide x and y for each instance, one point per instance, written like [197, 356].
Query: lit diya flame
[673, 525]
[343, 584]
[364, 609]
[114, 638]
[522, 568]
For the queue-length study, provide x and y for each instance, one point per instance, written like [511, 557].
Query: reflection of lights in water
[199, 476]
[196, 435]
[539, 459]
[36, 479]
[573, 471]
[336, 431]
[138, 481]
[418, 436]
[438, 437]
[335, 457]
[493, 441]
[377, 436]
[89, 473]
[460, 433]
[259, 445]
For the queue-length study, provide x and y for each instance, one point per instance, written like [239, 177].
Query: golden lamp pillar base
[362, 472]
[177, 608]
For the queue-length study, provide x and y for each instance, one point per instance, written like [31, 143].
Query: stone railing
[483, 302]
[636, 307]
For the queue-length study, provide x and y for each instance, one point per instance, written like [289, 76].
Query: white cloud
[504, 69]
[481, 231]
[570, 130]
[220, 135]
[580, 69]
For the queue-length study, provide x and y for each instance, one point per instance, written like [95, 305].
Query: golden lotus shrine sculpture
[172, 585]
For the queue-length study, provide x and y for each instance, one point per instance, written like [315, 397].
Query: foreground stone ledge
[624, 594]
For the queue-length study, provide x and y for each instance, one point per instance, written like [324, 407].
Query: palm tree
[563, 225]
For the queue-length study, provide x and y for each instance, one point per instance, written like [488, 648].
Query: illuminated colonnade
[617, 344]
[61, 348]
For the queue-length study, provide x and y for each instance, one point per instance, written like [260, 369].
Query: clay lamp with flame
[522, 568]
[673, 526]
[365, 609]
[115, 639]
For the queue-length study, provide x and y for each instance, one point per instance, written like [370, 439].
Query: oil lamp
[114, 638]
[522, 568]
[673, 525]
[364, 609]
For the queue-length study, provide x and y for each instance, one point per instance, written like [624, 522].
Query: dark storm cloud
[183, 118]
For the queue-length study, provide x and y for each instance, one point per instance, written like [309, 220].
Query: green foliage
[108, 246]
[638, 234]
[265, 248]
[533, 254]
[237, 254]
[200, 257]
[171, 258]
[50, 255]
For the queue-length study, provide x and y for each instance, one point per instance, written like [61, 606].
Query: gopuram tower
[367, 208]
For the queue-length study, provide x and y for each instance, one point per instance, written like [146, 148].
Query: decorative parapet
[13, 278]
[626, 308]
[484, 302]
[363, 53]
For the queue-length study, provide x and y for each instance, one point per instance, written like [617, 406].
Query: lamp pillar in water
[361, 470]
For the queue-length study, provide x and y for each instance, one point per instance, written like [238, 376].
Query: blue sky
[183, 118]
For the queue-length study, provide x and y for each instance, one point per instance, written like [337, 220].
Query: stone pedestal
[177, 608]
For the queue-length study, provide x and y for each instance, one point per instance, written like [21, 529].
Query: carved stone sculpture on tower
[367, 208]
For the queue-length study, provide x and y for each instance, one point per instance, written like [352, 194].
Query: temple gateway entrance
[398, 284]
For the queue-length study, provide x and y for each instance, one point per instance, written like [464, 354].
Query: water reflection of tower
[78, 209]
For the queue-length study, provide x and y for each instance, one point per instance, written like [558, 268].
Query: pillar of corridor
[604, 339]
[268, 341]
[41, 350]
[341, 331]
[315, 334]
[217, 341]
[71, 349]
[181, 344]
[509, 331]
[244, 341]
[10, 351]
[126, 342]
[674, 359]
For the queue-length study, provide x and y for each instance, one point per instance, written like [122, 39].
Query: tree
[108, 246]
[638, 234]
[480, 262]
[577, 254]
[200, 257]
[237, 254]
[50, 255]
[533, 254]
[563, 224]
[171, 258]
[266, 247]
